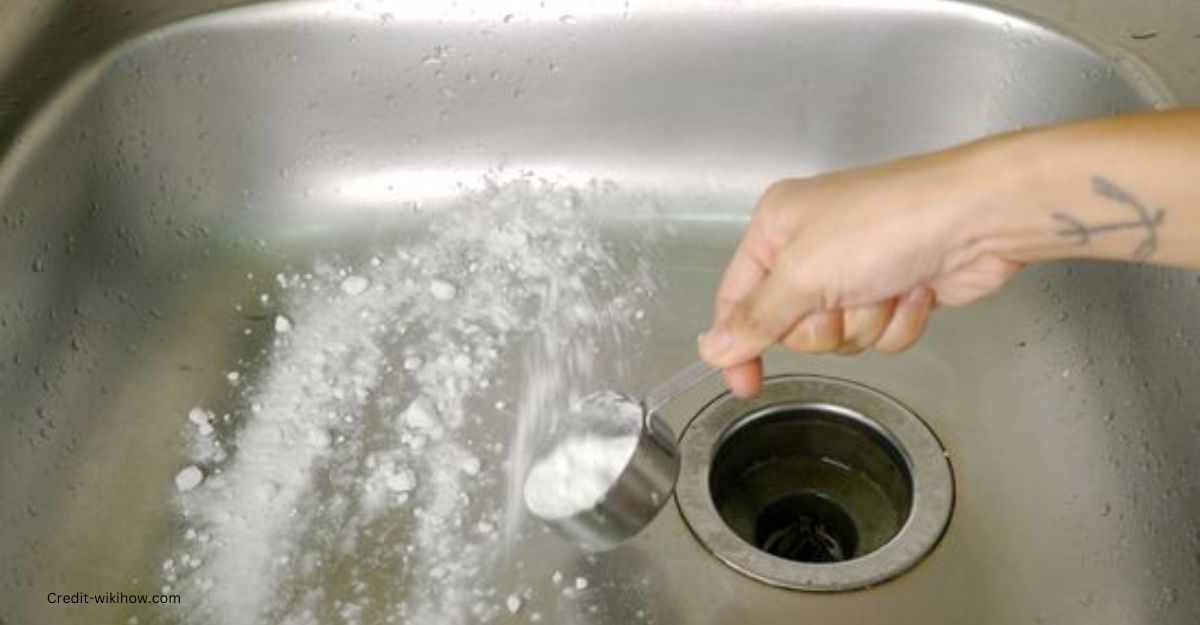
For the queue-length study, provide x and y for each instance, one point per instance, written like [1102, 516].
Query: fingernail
[716, 342]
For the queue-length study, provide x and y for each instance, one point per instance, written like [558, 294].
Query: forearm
[1124, 188]
[858, 258]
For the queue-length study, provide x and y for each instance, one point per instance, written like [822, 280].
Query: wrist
[1010, 188]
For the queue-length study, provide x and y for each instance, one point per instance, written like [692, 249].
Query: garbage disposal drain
[806, 527]
[816, 484]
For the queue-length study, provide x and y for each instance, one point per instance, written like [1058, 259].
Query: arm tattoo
[1146, 220]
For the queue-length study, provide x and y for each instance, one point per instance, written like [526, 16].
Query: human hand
[855, 260]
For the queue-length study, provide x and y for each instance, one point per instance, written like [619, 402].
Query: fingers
[864, 326]
[821, 331]
[848, 331]
[908, 322]
[745, 380]
[890, 326]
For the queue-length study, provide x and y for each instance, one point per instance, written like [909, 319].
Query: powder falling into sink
[375, 432]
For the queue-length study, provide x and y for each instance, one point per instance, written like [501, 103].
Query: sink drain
[816, 484]
[808, 527]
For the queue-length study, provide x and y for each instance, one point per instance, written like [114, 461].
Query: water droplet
[436, 56]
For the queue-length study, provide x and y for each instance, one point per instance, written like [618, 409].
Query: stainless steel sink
[150, 192]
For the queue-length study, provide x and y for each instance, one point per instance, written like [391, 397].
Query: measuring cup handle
[681, 381]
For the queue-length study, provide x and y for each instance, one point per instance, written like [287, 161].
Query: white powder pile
[593, 447]
[358, 477]
[576, 474]
[188, 478]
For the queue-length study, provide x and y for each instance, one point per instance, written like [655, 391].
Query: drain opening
[816, 484]
[810, 484]
[806, 528]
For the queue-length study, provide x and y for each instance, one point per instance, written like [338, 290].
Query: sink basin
[219, 216]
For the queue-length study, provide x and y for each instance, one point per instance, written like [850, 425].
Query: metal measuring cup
[648, 478]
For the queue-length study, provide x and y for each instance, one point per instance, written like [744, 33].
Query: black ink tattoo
[1146, 219]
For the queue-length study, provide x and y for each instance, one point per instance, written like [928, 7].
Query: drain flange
[817, 484]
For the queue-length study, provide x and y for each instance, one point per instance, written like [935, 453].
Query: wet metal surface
[140, 184]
